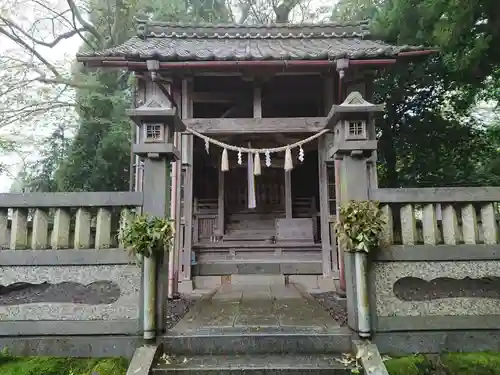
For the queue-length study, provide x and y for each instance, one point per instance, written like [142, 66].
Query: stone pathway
[263, 309]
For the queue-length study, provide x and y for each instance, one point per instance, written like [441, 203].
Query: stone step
[219, 343]
[252, 365]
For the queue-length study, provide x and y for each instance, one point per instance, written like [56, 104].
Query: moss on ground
[446, 364]
[62, 366]
[413, 365]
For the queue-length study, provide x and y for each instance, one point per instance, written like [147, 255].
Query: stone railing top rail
[74, 199]
[436, 195]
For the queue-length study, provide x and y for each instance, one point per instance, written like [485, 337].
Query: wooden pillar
[288, 194]
[220, 203]
[176, 205]
[324, 209]
[187, 155]
[328, 244]
[257, 101]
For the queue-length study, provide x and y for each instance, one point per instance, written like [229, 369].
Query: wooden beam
[257, 102]
[288, 194]
[257, 125]
[238, 96]
[220, 97]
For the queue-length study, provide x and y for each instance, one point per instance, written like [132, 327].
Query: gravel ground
[176, 309]
[330, 302]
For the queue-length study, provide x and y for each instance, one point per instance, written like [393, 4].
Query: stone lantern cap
[154, 113]
[353, 106]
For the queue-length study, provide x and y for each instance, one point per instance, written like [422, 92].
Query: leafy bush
[360, 226]
[146, 236]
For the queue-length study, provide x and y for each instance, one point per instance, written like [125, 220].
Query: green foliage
[449, 364]
[360, 225]
[146, 236]
[471, 363]
[423, 140]
[40, 176]
[411, 365]
[98, 158]
[428, 136]
[62, 366]
[466, 32]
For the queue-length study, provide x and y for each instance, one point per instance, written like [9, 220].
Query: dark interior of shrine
[282, 96]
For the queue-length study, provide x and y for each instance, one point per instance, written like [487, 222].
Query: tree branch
[20, 42]
[40, 42]
[88, 26]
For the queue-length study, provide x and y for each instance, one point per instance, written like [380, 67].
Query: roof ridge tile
[178, 30]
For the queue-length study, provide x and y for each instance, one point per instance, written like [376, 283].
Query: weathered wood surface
[300, 230]
[436, 195]
[256, 125]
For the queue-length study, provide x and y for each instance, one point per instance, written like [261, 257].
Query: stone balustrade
[434, 216]
[67, 287]
[63, 220]
[435, 283]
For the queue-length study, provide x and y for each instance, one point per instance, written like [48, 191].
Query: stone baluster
[40, 233]
[4, 229]
[126, 215]
[61, 231]
[489, 223]
[387, 235]
[408, 225]
[451, 235]
[83, 222]
[103, 229]
[429, 224]
[469, 224]
[19, 229]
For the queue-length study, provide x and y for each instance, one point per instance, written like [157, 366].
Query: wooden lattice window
[355, 129]
[154, 133]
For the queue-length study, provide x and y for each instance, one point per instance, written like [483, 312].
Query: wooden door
[269, 190]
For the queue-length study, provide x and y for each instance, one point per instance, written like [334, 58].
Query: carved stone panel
[417, 289]
[437, 288]
[102, 292]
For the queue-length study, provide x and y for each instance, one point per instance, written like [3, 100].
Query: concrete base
[311, 283]
[410, 342]
[185, 286]
[257, 280]
[212, 282]
[143, 359]
[72, 346]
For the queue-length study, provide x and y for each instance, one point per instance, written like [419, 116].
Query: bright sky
[29, 136]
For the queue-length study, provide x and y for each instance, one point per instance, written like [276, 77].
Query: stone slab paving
[251, 308]
[254, 365]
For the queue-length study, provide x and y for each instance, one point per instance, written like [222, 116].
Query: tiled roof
[204, 42]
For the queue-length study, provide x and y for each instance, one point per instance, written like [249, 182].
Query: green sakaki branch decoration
[146, 236]
[360, 226]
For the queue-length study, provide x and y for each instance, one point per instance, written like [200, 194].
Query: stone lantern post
[157, 124]
[355, 147]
